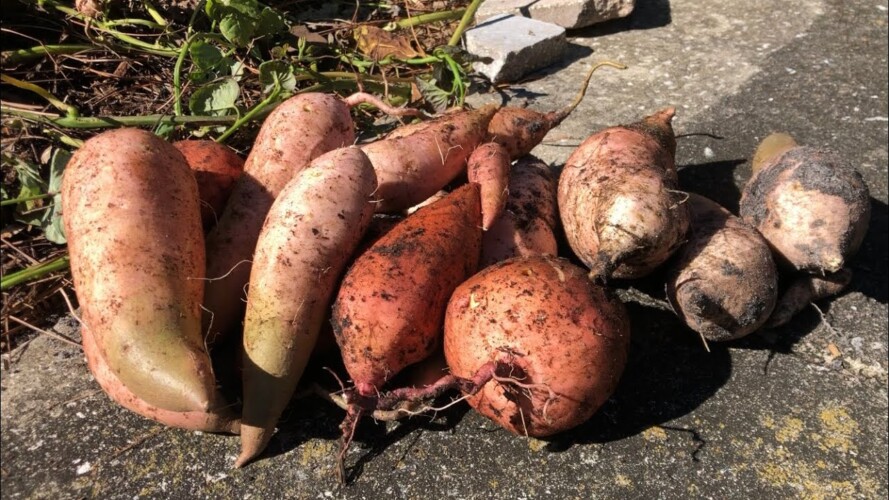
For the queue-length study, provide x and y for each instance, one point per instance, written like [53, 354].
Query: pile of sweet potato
[299, 249]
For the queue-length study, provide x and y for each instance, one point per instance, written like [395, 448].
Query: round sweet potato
[559, 340]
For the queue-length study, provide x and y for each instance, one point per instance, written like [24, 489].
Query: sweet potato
[527, 226]
[412, 167]
[488, 166]
[803, 291]
[558, 341]
[520, 130]
[220, 419]
[812, 206]
[133, 223]
[311, 232]
[618, 199]
[299, 130]
[216, 168]
[724, 283]
[428, 201]
[389, 309]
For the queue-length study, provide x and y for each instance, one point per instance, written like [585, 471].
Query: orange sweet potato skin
[551, 328]
[132, 218]
[812, 207]
[216, 169]
[412, 167]
[519, 130]
[619, 201]
[724, 284]
[488, 166]
[389, 309]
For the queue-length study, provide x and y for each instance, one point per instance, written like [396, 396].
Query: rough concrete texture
[800, 411]
[569, 14]
[513, 46]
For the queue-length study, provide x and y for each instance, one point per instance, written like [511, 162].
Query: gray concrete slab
[796, 412]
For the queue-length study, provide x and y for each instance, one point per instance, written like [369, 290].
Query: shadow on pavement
[646, 15]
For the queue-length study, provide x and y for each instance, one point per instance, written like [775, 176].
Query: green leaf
[215, 99]
[206, 56]
[440, 99]
[270, 23]
[52, 224]
[237, 29]
[276, 73]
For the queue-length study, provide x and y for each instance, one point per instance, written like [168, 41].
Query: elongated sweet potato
[488, 166]
[299, 130]
[220, 419]
[812, 206]
[618, 199]
[558, 341]
[133, 223]
[412, 167]
[311, 232]
[389, 309]
[520, 130]
[527, 226]
[724, 283]
[216, 168]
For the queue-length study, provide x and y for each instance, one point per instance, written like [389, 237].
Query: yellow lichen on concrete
[790, 430]
[623, 481]
[655, 434]
[536, 444]
[837, 429]
[315, 451]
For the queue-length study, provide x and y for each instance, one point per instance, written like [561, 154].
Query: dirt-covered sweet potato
[803, 291]
[618, 199]
[724, 283]
[527, 225]
[389, 308]
[558, 342]
[308, 238]
[216, 168]
[811, 205]
[133, 222]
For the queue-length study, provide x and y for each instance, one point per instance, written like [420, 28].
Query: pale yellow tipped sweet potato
[412, 167]
[812, 206]
[308, 238]
[298, 131]
[527, 226]
[488, 166]
[389, 308]
[558, 340]
[220, 419]
[133, 223]
[428, 201]
[618, 199]
[216, 168]
[724, 283]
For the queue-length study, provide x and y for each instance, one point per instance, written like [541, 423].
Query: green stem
[88, 122]
[132, 22]
[61, 106]
[430, 17]
[23, 199]
[18, 56]
[468, 16]
[102, 27]
[250, 115]
[154, 13]
[34, 272]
